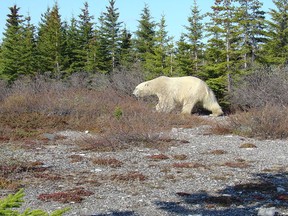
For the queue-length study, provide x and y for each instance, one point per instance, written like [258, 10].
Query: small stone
[267, 211]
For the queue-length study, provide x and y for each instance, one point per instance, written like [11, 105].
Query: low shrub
[269, 122]
[262, 87]
[12, 201]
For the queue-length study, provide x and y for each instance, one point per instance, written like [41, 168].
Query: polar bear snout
[136, 92]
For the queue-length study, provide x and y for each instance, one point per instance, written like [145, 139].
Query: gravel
[201, 174]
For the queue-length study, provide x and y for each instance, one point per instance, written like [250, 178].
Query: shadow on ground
[266, 191]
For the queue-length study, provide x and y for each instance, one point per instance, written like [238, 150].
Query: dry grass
[158, 157]
[269, 122]
[248, 145]
[189, 165]
[36, 105]
[75, 195]
[128, 177]
[111, 162]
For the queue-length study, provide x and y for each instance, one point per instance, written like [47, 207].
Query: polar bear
[185, 91]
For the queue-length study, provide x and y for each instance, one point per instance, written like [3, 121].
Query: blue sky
[176, 11]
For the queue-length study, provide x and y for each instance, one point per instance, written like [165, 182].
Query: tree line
[238, 37]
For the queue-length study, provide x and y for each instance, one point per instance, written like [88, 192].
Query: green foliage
[145, 35]
[194, 37]
[276, 49]
[118, 112]
[12, 46]
[158, 62]
[50, 41]
[12, 201]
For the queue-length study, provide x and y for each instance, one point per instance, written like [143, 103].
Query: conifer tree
[145, 35]
[194, 36]
[276, 48]
[12, 47]
[182, 57]
[126, 54]
[109, 37]
[50, 41]
[223, 32]
[71, 44]
[29, 47]
[158, 62]
[85, 34]
[250, 19]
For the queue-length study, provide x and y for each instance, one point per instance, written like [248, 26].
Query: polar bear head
[143, 89]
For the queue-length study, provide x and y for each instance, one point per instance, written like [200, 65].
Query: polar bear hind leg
[210, 103]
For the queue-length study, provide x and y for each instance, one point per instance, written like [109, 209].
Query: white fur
[186, 91]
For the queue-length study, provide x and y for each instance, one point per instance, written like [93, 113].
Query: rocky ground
[184, 172]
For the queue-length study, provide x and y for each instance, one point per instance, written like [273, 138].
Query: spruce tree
[194, 37]
[145, 35]
[71, 44]
[222, 32]
[251, 24]
[158, 62]
[29, 48]
[126, 54]
[12, 47]
[109, 37]
[50, 42]
[182, 57]
[276, 48]
[85, 34]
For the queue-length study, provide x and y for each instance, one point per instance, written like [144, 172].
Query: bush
[33, 105]
[260, 88]
[269, 122]
[8, 204]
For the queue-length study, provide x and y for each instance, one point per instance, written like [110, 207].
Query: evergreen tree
[96, 61]
[11, 55]
[158, 62]
[145, 35]
[221, 61]
[126, 54]
[276, 48]
[109, 37]
[50, 41]
[250, 19]
[28, 48]
[71, 35]
[194, 36]
[85, 35]
[182, 57]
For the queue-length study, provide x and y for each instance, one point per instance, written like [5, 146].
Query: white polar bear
[185, 91]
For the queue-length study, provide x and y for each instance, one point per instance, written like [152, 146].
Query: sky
[176, 11]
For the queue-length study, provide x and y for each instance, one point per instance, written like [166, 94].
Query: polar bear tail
[210, 103]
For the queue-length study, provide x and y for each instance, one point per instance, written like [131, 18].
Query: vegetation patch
[248, 145]
[217, 152]
[189, 165]
[236, 164]
[158, 157]
[9, 184]
[180, 157]
[75, 195]
[128, 177]
[111, 162]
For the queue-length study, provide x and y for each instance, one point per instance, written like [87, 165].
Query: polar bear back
[180, 87]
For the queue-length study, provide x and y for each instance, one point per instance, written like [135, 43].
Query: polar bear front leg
[165, 105]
